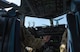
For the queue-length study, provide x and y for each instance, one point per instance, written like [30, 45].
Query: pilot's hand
[46, 38]
[62, 47]
[29, 49]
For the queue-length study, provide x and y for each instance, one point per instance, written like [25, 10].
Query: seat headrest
[2, 24]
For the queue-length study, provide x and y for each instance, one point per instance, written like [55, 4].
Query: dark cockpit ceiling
[43, 8]
[4, 4]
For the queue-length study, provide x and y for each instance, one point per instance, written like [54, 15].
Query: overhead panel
[4, 4]
[41, 8]
[45, 8]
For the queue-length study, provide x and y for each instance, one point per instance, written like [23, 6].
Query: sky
[39, 22]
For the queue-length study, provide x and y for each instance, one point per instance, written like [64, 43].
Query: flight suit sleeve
[31, 41]
[63, 46]
[64, 37]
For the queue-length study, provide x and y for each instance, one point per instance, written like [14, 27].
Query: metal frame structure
[73, 19]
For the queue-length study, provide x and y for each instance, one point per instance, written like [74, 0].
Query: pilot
[30, 43]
